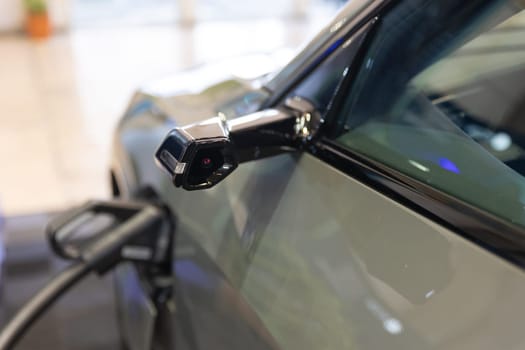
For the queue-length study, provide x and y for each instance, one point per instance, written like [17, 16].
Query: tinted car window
[441, 97]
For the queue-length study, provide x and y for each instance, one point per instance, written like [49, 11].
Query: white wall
[60, 12]
[11, 15]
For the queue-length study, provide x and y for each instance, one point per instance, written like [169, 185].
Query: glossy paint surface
[308, 258]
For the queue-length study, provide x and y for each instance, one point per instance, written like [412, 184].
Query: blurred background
[67, 70]
[62, 92]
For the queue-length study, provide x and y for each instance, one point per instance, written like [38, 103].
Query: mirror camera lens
[206, 162]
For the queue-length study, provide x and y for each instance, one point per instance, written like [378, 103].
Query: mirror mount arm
[262, 134]
[274, 131]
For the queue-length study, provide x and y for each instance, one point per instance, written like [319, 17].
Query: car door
[400, 228]
[220, 232]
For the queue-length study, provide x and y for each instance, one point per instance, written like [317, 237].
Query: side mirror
[198, 156]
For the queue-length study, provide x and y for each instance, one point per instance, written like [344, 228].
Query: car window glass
[320, 85]
[441, 98]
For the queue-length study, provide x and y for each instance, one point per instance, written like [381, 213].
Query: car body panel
[368, 274]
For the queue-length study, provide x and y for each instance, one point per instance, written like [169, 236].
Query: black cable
[40, 303]
[139, 224]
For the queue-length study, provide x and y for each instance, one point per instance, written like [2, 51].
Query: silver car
[369, 195]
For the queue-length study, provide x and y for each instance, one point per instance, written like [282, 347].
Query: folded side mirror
[198, 156]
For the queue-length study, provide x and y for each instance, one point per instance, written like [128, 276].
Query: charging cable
[139, 231]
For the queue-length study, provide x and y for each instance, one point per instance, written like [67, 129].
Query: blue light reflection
[448, 165]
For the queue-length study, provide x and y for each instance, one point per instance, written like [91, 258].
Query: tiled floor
[60, 99]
